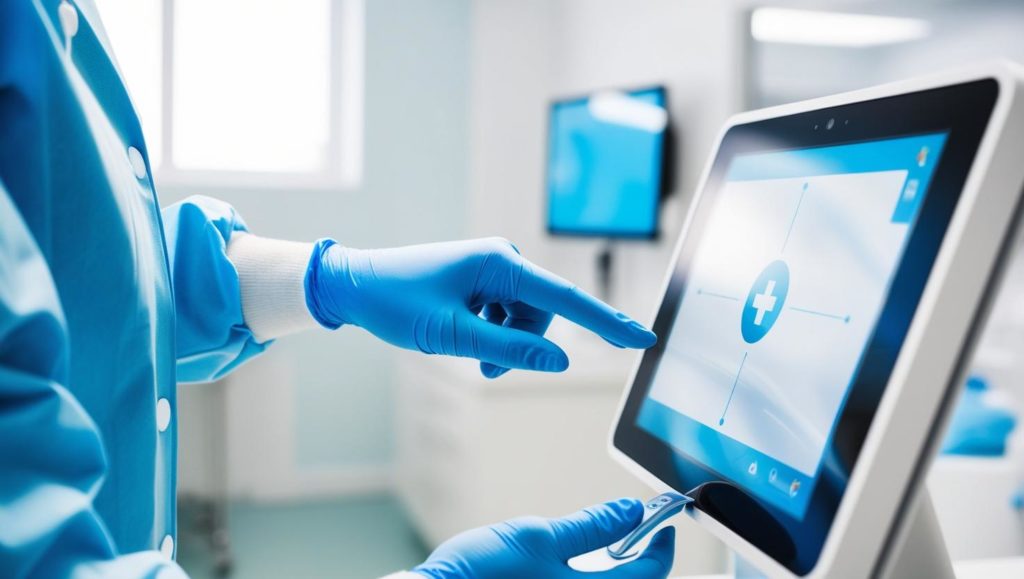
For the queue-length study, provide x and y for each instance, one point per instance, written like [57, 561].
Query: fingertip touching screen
[800, 272]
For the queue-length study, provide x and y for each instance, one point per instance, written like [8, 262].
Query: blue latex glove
[476, 298]
[537, 547]
[978, 428]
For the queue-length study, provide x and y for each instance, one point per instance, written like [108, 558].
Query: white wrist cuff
[271, 277]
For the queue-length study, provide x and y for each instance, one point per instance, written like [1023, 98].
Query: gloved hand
[537, 547]
[476, 298]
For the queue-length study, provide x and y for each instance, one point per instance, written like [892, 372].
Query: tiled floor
[359, 537]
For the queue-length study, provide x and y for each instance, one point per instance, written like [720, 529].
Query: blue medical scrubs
[105, 304]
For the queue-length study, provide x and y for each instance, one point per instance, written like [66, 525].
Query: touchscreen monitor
[800, 271]
[785, 288]
[606, 156]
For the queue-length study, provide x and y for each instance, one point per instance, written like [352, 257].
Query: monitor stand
[605, 263]
[920, 550]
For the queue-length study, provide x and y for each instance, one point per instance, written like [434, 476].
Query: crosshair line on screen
[732, 392]
[845, 319]
[792, 221]
[704, 292]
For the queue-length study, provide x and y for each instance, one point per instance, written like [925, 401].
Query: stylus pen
[656, 511]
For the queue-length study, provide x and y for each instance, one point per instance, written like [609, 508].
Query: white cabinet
[473, 451]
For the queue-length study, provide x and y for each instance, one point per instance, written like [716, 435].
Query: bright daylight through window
[222, 103]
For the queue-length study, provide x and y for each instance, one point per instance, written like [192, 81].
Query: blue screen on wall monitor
[605, 164]
[785, 289]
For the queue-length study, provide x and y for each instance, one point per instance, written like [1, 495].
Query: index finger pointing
[542, 289]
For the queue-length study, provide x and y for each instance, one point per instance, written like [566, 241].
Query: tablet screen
[807, 253]
[785, 288]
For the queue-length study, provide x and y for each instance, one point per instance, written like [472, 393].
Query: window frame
[346, 107]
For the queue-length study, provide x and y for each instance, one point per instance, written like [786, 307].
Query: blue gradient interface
[783, 293]
[605, 164]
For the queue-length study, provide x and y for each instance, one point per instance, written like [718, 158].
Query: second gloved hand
[537, 547]
[476, 298]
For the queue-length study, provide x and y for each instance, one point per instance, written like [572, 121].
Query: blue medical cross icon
[764, 302]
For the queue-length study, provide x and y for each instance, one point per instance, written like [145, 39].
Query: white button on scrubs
[163, 414]
[137, 162]
[68, 19]
[167, 547]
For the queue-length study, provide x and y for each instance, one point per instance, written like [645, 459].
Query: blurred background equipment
[393, 122]
[606, 164]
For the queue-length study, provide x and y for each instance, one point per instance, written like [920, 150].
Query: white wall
[961, 32]
[964, 32]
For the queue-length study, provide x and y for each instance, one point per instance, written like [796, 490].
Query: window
[245, 92]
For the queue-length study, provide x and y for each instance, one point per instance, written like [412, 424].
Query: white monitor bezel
[969, 259]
